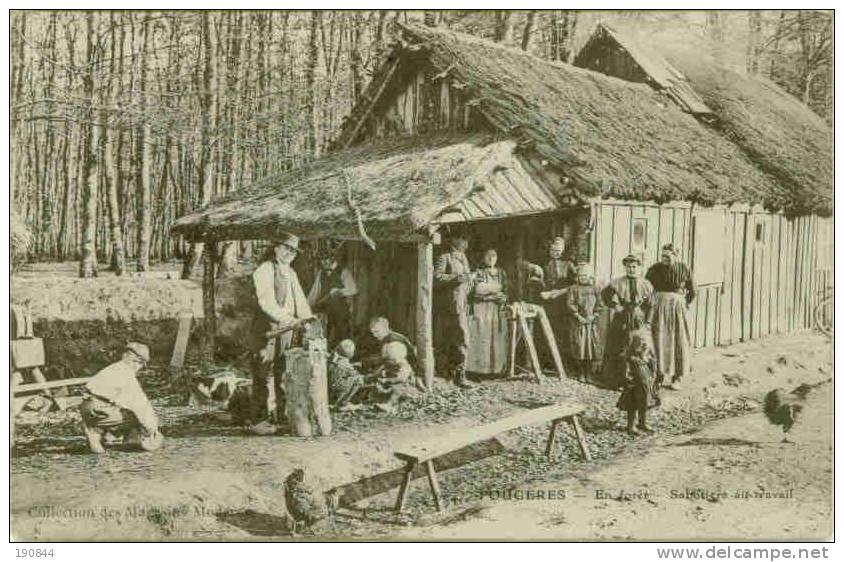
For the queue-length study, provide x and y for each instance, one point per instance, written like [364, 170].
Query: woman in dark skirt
[641, 390]
[629, 299]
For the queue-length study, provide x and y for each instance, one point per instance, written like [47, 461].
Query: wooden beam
[181, 345]
[36, 386]
[209, 298]
[348, 139]
[424, 306]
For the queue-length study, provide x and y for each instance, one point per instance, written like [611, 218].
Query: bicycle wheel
[825, 315]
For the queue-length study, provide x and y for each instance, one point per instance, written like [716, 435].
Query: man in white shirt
[116, 404]
[282, 310]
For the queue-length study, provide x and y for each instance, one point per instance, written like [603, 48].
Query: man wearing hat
[331, 295]
[453, 273]
[629, 299]
[675, 291]
[283, 311]
[116, 404]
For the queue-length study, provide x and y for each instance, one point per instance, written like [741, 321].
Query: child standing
[641, 390]
[583, 304]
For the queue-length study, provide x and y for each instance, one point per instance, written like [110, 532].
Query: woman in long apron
[675, 290]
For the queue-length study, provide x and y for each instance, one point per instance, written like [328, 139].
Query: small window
[639, 238]
[760, 232]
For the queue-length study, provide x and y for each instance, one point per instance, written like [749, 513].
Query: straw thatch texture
[613, 138]
[774, 129]
[786, 138]
[398, 186]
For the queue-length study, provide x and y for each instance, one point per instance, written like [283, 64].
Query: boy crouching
[116, 404]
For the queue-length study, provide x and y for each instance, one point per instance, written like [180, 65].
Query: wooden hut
[761, 270]
[457, 133]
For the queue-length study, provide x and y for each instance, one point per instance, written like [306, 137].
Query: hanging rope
[358, 217]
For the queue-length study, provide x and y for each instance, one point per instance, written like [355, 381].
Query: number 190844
[33, 553]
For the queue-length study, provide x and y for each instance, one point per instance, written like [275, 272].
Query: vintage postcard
[332, 275]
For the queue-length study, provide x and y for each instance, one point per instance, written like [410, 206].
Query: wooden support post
[552, 440]
[581, 437]
[408, 474]
[435, 484]
[552, 342]
[514, 341]
[424, 305]
[534, 358]
[209, 298]
[181, 345]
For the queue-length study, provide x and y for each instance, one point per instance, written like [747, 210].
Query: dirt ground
[213, 482]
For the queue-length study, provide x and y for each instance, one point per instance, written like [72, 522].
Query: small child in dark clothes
[344, 381]
[641, 390]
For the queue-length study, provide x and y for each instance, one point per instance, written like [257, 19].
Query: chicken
[784, 408]
[304, 503]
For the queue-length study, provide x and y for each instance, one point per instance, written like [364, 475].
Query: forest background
[123, 121]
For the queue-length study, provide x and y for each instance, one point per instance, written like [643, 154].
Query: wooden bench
[426, 454]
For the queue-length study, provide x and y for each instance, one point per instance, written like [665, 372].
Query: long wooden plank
[652, 243]
[798, 284]
[461, 438]
[666, 226]
[725, 327]
[758, 261]
[37, 386]
[603, 244]
[765, 279]
[807, 269]
[776, 294]
[787, 275]
[813, 269]
[181, 345]
[620, 238]
[736, 242]
[551, 342]
[711, 322]
[747, 277]
[348, 494]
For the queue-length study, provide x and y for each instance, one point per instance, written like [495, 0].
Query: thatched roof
[639, 65]
[783, 136]
[603, 137]
[398, 186]
[611, 137]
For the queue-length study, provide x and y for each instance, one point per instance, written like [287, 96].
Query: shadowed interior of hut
[386, 277]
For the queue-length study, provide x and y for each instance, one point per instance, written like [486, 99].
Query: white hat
[139, 349]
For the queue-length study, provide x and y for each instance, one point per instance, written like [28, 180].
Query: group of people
[646, 345]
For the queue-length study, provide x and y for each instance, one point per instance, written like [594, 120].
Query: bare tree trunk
[355, 61]
[144, 181]
[503, 26]
[379, 37]
[312, 146]
[754, 39]
[90, 164]
[208, 100]
[113, 160]
[528, 30]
